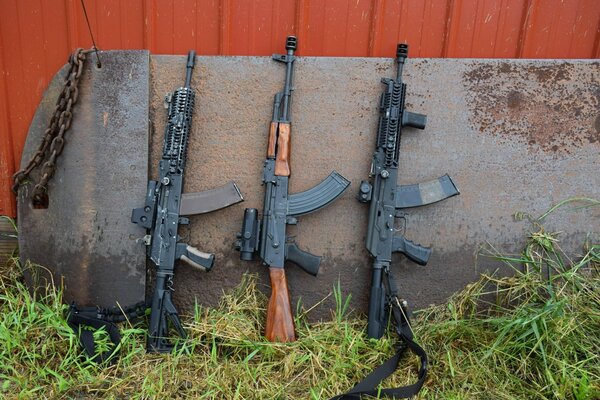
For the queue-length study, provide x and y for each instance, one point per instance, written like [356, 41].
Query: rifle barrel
[191, 61]
[401, 54]
[291, 44]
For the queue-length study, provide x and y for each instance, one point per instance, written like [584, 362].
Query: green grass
[533, 335]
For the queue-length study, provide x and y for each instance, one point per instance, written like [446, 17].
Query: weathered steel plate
[514, 135]
[85, 237]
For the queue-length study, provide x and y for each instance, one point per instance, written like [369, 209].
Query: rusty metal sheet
[85, 237]
[514, 135]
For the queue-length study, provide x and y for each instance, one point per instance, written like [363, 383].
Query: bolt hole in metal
[97, 67]
[40, 201]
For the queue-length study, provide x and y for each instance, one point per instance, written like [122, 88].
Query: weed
[531, 335]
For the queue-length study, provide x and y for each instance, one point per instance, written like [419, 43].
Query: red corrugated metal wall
[36, 37]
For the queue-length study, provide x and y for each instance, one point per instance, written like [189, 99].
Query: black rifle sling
[86, 320]
[368, 386]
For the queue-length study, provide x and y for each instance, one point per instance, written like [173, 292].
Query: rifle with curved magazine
[387, 199]
[268, 236]
[165, 209]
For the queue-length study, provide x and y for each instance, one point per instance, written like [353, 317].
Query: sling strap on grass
[86, 320]
[368, 386]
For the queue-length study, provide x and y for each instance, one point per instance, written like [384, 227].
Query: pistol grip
[305, 260]
[415, 252]
[194, 257]
[280, 323]
[414, 120]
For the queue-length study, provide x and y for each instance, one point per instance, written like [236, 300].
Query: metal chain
[53, 140]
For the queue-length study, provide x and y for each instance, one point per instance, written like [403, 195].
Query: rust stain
[534, 103]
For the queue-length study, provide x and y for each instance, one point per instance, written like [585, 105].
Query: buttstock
[282, 162]
[280, 322]
[376, 321]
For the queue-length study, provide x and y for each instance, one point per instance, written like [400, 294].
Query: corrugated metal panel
[8, 241]
[36, 37]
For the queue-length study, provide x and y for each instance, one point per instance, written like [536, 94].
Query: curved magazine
[317, 197]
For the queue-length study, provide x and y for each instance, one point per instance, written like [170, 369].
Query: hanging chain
[53, 140]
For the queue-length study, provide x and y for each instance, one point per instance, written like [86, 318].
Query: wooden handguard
[272, 140]
[282, 162]
[280, 322]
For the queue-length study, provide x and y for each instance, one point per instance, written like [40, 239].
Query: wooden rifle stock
[282, 162]
[280, 322]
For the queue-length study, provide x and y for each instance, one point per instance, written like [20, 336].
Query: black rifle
[387, 199]
[268, 237]
[163, 212]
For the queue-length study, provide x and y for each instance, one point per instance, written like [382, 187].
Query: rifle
[387, 199]
[165, 209]
[268, 237]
